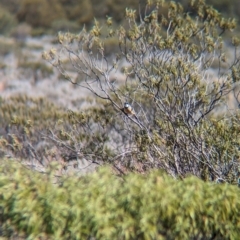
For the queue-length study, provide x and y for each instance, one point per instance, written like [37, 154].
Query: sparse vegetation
[6, 46]
[172, 168]
[37, 70]
[39, 132]
[167, 80]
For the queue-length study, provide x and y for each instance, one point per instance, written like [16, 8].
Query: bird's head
[126, 105]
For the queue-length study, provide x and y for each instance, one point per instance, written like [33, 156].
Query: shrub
[116, 8]
[11, 5]
[7, 21]
[227, 9]
[166, 61]
[30, 128]
[78, 10]
[24, 121]
[37, 13]
[104, 206]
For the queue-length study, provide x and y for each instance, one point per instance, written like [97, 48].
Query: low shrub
[7, 21]
[38, 14]
[38, 132]
[104, 206]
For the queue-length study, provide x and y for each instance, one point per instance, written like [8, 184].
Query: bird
[128, 110]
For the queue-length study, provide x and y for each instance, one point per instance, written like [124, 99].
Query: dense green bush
[104, 206]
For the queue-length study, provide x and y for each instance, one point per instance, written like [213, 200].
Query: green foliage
[104, 206]
[116, 8]
[7, 21]
[11, 5]
[37, 13]
[78, 10]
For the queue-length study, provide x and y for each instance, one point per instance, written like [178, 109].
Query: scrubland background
[53, 132]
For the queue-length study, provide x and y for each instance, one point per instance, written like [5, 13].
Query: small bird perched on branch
[129, 111]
